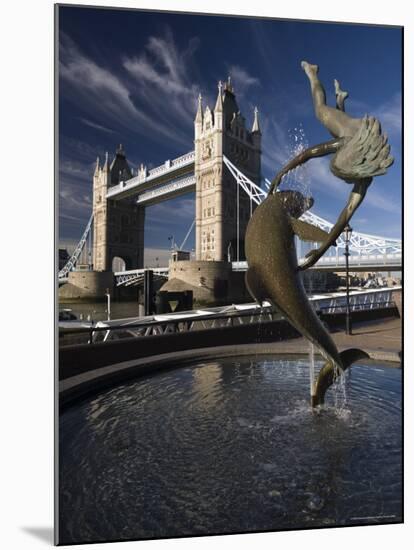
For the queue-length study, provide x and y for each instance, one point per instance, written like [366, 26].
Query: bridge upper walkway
[169, 171]
[176, 177]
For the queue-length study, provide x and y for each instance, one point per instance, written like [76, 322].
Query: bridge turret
[97, 168]
[256, 125]
[120, 170]
[218, 109]
[106, 168]
[256, 132]
[118, 227]
[220, 220]
[198, 121]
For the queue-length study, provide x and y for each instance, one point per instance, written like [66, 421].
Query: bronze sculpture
[361, 152]
[273, 275]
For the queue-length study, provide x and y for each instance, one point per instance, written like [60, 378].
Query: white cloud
[389, 115]
[242, 80]
[97, 89]
[165, 86]
[96, 126]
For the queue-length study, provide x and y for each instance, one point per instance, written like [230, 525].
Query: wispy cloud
[116, 98]
[165, 85]
[390, 115]
[381, 201]
[96, 126]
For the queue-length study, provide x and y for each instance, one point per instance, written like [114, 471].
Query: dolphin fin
[327, 374]
[307, 231]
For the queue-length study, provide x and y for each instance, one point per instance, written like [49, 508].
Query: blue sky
[133, 77]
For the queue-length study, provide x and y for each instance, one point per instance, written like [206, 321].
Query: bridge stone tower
[223, 211]
[118, 227]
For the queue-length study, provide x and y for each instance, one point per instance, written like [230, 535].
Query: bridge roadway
[357, 263]
[176, 171]
[370, 262]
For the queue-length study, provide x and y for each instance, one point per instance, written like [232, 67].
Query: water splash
[297, 179]
[339, 392]
[312, 368]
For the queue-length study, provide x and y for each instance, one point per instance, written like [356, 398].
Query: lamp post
[348, 231]
[108, 299]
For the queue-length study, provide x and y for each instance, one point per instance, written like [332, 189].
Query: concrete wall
[79, 359]
[209, 281]
[87, 285]
[397, 298]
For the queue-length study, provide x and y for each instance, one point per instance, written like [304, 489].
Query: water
[98, 310]
[311, 368]
[297, 179]
[230, 446]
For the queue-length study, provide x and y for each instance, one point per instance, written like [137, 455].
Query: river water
[98, 311]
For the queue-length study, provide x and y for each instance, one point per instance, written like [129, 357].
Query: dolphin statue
[273, 275]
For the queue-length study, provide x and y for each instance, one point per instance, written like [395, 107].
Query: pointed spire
[120, 151]
[228, 86]
[219, 103]
[106, 165]
[256, 125]
[199, 115]
[97, 167]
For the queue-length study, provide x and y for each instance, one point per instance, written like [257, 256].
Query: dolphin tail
[328, 373]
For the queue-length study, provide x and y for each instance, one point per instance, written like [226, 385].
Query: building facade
[222, 211]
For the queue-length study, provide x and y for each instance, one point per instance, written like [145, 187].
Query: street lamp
[347, 231]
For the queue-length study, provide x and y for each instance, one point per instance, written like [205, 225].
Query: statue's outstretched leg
[337, 122]
[340, 95]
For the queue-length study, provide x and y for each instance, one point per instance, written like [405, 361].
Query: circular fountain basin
[230, 446]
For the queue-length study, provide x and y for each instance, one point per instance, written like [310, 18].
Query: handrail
[266, 311]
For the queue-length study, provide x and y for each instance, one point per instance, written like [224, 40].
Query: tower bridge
[224, 171]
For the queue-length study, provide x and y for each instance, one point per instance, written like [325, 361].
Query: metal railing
[172, 325]
[186, 322]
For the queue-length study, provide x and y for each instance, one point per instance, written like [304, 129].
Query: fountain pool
[230, 446]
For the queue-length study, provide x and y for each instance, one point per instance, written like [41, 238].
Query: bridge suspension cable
[70, 264]
[187, 235]
[360, 243]
[256, 193]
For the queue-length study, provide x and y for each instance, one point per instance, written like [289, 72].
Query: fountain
[230, 444]
[361, 152]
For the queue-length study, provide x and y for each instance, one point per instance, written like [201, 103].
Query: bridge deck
[170, 170]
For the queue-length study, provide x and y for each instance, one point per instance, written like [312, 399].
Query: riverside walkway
[381, 339]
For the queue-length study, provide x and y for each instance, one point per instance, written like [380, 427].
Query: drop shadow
[44, 534]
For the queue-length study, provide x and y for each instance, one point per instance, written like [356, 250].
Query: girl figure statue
[360, 153]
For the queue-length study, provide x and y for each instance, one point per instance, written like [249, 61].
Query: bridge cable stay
[359, 242]
[188, 234]
[70, 264]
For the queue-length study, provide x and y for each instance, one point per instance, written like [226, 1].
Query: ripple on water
[230, 446]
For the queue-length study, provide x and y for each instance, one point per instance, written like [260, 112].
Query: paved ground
[381, 339]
